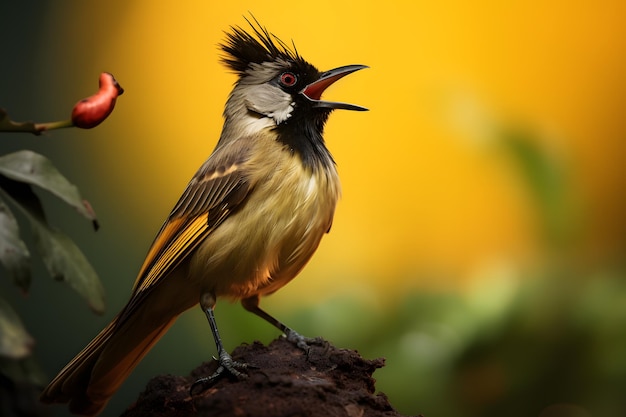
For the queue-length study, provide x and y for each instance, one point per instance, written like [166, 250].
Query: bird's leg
[252, 305]
[226, 362]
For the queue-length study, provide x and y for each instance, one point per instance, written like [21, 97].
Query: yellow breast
[268, 241]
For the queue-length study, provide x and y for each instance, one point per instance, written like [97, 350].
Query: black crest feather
[243, 48]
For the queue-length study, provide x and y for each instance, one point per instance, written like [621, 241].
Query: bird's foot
[304, 342]
[226, 366]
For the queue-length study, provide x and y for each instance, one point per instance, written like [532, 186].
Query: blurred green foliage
[546, 177]
[516, 344]
[546, 340]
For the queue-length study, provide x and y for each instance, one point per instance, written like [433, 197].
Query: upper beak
[314, 91]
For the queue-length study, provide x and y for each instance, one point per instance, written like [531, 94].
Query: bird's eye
[288, 79]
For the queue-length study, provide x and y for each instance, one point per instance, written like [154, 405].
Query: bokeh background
[479, 242]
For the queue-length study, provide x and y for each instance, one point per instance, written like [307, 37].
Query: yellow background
[421, 188]
[431, 201]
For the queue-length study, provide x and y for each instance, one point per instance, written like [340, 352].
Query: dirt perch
[283, 382]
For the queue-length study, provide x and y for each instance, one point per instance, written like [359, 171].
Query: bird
[246, 224]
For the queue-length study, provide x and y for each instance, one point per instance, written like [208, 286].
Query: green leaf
[14, 255]
[62, 258]
[66, 262]
[15, 342]
[35, 169]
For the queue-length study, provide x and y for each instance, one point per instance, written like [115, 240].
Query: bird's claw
[226, 365]
[303, 342]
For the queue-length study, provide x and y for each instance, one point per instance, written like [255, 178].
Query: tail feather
[75, 375]
[71, 383]
[94, 375]
[119, 358]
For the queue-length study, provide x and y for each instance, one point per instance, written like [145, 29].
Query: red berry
[91, 111]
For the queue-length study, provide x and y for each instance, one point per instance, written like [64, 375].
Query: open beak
[314, 91]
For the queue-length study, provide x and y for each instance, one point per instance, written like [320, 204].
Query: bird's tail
[92, 377]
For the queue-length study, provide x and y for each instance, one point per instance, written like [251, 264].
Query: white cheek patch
[281, 115]
[270, 101]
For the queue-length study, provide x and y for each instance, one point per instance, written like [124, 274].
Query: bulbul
[247, 223]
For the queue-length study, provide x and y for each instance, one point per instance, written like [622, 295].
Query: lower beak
[314, 91]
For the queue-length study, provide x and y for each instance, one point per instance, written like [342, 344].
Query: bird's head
[276, 86]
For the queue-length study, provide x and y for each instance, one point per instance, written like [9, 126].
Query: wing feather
[212, 195]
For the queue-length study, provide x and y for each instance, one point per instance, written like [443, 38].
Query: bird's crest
[243, 48]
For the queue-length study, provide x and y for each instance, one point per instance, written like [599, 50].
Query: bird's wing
[216, 190]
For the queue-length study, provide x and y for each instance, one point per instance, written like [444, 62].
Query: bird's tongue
[314, 90]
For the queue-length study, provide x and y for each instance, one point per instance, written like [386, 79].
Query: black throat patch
[302, 134]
